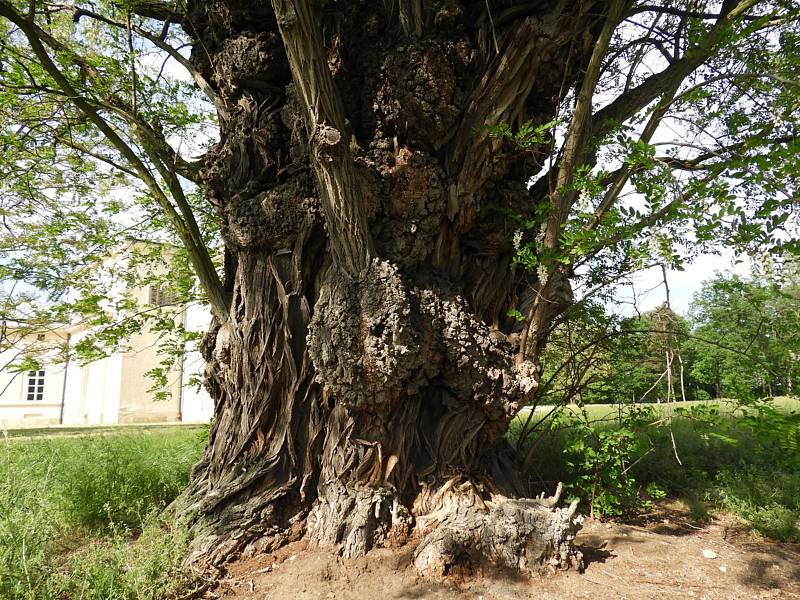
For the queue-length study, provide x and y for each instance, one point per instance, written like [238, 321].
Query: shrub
[744, 459]
[598, 459]
[769, 500]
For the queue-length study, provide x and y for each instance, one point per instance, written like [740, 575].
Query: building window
[36, 385]
[161, 296]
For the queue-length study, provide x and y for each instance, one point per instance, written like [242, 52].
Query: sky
[649, 290]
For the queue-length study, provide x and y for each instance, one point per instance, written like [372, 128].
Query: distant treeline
[740, 339]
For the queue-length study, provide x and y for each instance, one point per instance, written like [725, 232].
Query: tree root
[526, 535]
[357, 520]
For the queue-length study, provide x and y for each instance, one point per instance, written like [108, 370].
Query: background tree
[594, 356]
[759, 318]
[372, 183]
[739, 342]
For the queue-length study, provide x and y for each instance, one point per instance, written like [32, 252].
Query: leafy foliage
[760, 319]
[740, 341]
[97, 187]
[621, 460]
[600, 460]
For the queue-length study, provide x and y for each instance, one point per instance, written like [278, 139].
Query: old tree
[404, 190]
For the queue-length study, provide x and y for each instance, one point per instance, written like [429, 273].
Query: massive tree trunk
[368, 370]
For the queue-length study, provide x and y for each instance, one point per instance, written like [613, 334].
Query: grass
[767, 499]
[79, 516]
[603, 412]
[749, 467]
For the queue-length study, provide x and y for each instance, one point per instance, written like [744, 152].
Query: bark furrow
[366, 375]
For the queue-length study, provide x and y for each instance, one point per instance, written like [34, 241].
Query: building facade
[111, 390]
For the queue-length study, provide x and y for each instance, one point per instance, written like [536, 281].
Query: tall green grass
[71, 507]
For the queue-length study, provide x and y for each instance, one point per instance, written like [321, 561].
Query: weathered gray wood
[343, 196]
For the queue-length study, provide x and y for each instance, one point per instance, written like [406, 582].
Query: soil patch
[665, 554]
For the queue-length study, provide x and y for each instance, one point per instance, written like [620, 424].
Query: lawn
[80, 515]
[603, 412]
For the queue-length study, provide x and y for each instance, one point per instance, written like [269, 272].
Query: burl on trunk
[368, 371]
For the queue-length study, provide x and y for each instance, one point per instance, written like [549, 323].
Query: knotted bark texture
[369, 369]
[525, 535]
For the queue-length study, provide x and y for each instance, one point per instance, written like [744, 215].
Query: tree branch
[668, 10]
[342, 194]
[501, 97]
[551, 295]
[626, 232]
[187, 230]
[579, 128]
[184, 168]
[696, 163]
[624, 173]
[635, 99]
[157, 41]
[159, 10]
[629, 103]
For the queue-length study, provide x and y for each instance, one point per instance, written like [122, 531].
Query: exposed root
[525, 535]
[357, 520]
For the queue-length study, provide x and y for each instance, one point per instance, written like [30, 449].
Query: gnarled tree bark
[366, 374]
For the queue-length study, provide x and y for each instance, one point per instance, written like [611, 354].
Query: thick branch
[644, 41]
[183, 167]
[623, 175]
[629, 103]
[501, 97]
[579, 128]
[343, 197]
[158, 10]
[411, 15]
[554, 293]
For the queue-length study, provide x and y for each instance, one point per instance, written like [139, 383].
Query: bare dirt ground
[660, 556]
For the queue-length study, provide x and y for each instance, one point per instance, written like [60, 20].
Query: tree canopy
[681, 137]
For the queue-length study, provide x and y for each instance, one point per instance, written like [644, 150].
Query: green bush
[744, 459]
[767, 499]
[594, 459]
